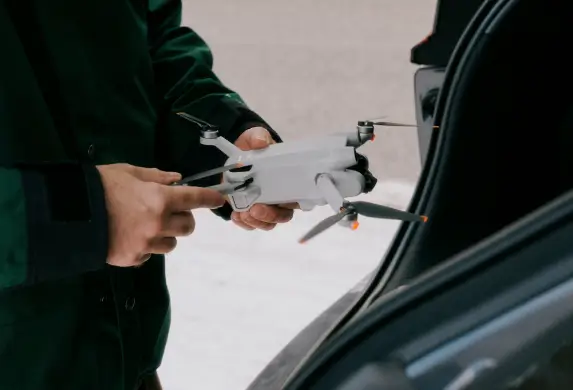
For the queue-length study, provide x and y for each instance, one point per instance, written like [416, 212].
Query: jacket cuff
[67, 221]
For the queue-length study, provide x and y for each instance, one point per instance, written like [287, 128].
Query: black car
[481, 296]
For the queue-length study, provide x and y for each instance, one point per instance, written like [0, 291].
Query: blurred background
[308, 67]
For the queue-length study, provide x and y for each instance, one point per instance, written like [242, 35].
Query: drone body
[313, 172]
[288, 172]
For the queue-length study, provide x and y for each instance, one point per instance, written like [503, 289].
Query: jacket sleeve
[185, 81]
[53, 223]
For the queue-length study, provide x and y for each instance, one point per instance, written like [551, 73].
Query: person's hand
[260, 216]
[145, 214]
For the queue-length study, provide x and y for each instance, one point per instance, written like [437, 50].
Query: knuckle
[151, 229]
[125, 166]
[182, 197]
[130, 169]
[249, 220]
[208, 197]
[155, 227]
[261, 212]
[156, 172]
[200, 197]
[193, 198]
[245, 217]
[156, 200]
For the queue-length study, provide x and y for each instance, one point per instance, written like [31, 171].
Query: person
[89, 144]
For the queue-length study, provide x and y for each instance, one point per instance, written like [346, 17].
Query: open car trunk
[504, 146]
[503, 150]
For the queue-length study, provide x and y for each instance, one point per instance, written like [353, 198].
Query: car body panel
[427, 327]
[428, 82]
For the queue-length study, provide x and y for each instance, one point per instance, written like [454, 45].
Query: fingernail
[266, 139]
[263, 135]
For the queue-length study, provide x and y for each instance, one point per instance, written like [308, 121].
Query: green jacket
[84, 83]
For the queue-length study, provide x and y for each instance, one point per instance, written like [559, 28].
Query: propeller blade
[193, 119]
[323, 225]
[373, 210]
[377, 119]
[393, 124]
[210, 172]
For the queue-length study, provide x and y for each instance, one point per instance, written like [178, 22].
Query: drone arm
[224, 188]
[222, 144]
[330, 192]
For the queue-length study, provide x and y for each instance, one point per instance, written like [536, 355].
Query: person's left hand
[260, 216]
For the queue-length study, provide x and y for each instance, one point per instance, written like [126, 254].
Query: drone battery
[240, 201]
[244, 196]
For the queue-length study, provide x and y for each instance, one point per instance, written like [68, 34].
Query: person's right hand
[146, 214]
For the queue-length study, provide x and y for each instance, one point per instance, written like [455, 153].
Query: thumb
[258, 138]
[155, 175]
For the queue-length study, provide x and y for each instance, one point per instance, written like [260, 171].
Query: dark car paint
[450, 21]
[451, 302]
[390, 276]
[427, 84]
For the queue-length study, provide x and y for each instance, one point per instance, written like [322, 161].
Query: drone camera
[361, 167]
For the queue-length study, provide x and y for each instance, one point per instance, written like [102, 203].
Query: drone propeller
[393, 124]
[193, 119]
[374, 210]
[366, 209]
[379, 122]
[324, 224]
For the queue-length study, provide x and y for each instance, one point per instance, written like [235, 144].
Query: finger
[255, 223]
[254, 138]
[236, 218]
[178, 224]
[188, 198]
[271, 214]
[155, 175]
[162, 245]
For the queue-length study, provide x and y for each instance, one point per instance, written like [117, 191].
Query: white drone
[315, 172]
